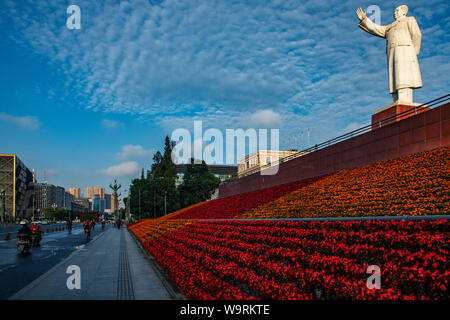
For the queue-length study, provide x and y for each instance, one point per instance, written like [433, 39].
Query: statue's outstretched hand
[361, 14]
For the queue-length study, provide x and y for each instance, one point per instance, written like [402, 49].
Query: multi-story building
[98, 204]
[91, 191]
[68, 199]
[16, 181]
[78, 207]
[262, 158]
[81, 204]
[49, 196]
[75, 192]
[108, 199]
[60, 196]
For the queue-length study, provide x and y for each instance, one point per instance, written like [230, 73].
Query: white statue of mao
[403, 38]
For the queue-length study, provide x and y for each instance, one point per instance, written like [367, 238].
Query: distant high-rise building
[75, 192]
[100, 192]
[91, 191]
[98, 204]
[108, 199]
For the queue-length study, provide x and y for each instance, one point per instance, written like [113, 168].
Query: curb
[168, 284]
[38, 280]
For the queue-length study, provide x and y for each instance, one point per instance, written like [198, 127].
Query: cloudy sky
[84, 106]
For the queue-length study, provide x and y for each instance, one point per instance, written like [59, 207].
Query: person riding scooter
[25, 229]
[87, 229]
[24, 237]
[69, 225]
[36, 235]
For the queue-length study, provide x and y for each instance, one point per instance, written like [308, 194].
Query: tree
[198, 184]
[157, 193]
[156, 166]
[50, 213]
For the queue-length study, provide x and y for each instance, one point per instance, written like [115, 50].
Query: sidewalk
[112, 268]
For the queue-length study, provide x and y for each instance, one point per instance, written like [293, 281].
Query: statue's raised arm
[367, 25]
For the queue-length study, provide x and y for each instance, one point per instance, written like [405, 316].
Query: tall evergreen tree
[157, 194]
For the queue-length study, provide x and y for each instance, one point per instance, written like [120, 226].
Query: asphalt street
[17, 270]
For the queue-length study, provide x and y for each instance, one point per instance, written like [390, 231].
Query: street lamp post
[127, 205]
[139, 203]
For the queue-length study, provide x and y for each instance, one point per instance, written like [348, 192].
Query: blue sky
[83, 106]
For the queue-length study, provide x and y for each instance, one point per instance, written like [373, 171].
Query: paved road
[112, 267]
[17, 271]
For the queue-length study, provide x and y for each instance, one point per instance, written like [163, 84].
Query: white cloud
[224, 60]
[125, 169]
[130, 151]
[28, 122]
[264, 119]
[112, 124]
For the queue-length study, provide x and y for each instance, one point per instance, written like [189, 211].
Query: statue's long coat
[402, 47]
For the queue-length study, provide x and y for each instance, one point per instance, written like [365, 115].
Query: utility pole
[139, 203]
[301, 147]
[32, 215]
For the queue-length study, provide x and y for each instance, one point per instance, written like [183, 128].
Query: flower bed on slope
[235, 205]
[148, 230]
[306, 260]
[418, 184]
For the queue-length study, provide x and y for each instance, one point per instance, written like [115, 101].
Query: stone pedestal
[396, 109]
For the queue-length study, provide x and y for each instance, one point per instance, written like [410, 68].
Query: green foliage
[198, 184]
[231, 177]
[88, 216]
[157, 194]
[59, 214]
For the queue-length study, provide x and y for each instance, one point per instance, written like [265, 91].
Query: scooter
[88, 233]
[35, 239]
[23, 243]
